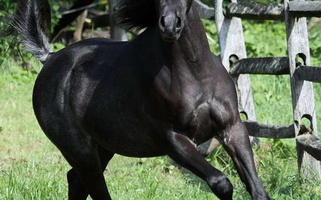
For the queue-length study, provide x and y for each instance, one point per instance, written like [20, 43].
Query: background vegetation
[32, 168]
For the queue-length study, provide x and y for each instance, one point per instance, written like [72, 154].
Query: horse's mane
[136, 14]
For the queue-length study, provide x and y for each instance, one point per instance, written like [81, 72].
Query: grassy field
[32, 168]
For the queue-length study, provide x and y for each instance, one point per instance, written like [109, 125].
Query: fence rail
[311, 144]
[271, 11]
[256, 129]
[305, 8]
[267, 65]
[309, 73]
[252, 10]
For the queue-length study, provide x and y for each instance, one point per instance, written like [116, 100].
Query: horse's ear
[189, 4]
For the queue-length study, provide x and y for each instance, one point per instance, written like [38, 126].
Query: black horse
[161, 94]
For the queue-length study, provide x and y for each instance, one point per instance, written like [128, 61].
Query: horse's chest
[187, 107]
[195, 123]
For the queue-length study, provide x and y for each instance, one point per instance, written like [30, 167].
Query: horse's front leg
[181, 149]
[236, 143]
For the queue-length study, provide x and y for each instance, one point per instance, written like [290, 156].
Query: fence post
[230, 33]
[116, 33]
[302, 91]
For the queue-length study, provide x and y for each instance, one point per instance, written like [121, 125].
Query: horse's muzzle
[170, 26]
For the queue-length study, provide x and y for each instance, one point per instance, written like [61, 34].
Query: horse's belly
[126, 134]
[120, 143]
[132, 149]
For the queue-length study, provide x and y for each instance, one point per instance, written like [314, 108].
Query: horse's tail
[31, 23]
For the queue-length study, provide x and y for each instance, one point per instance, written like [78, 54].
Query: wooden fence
[228, 20]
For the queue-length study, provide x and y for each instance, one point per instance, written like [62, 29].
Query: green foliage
[10, 48]
[265, 38]
[5, 8]
[315, 45]
[272, 93]
[55, 15]
[211, 35]
[208, 2]
[6, 46]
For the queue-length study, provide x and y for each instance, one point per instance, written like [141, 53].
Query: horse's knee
[221, 186]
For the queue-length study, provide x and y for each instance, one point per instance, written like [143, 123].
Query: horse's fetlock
[260, 195]
[221, 186]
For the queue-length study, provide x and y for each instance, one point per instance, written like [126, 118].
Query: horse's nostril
[162, 23]
[178, 24]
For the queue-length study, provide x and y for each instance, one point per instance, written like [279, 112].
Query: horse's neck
[192, 48]
[189, 54]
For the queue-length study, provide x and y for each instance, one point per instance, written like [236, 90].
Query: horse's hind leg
[237, 144]
[76, 190]
[182, 150]
[82, 154]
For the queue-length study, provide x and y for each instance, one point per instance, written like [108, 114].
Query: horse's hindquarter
[109, 101]
[81, 90]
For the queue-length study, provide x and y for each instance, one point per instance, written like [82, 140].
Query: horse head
[172, 17]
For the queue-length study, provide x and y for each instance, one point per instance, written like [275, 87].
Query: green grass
[32, 168]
